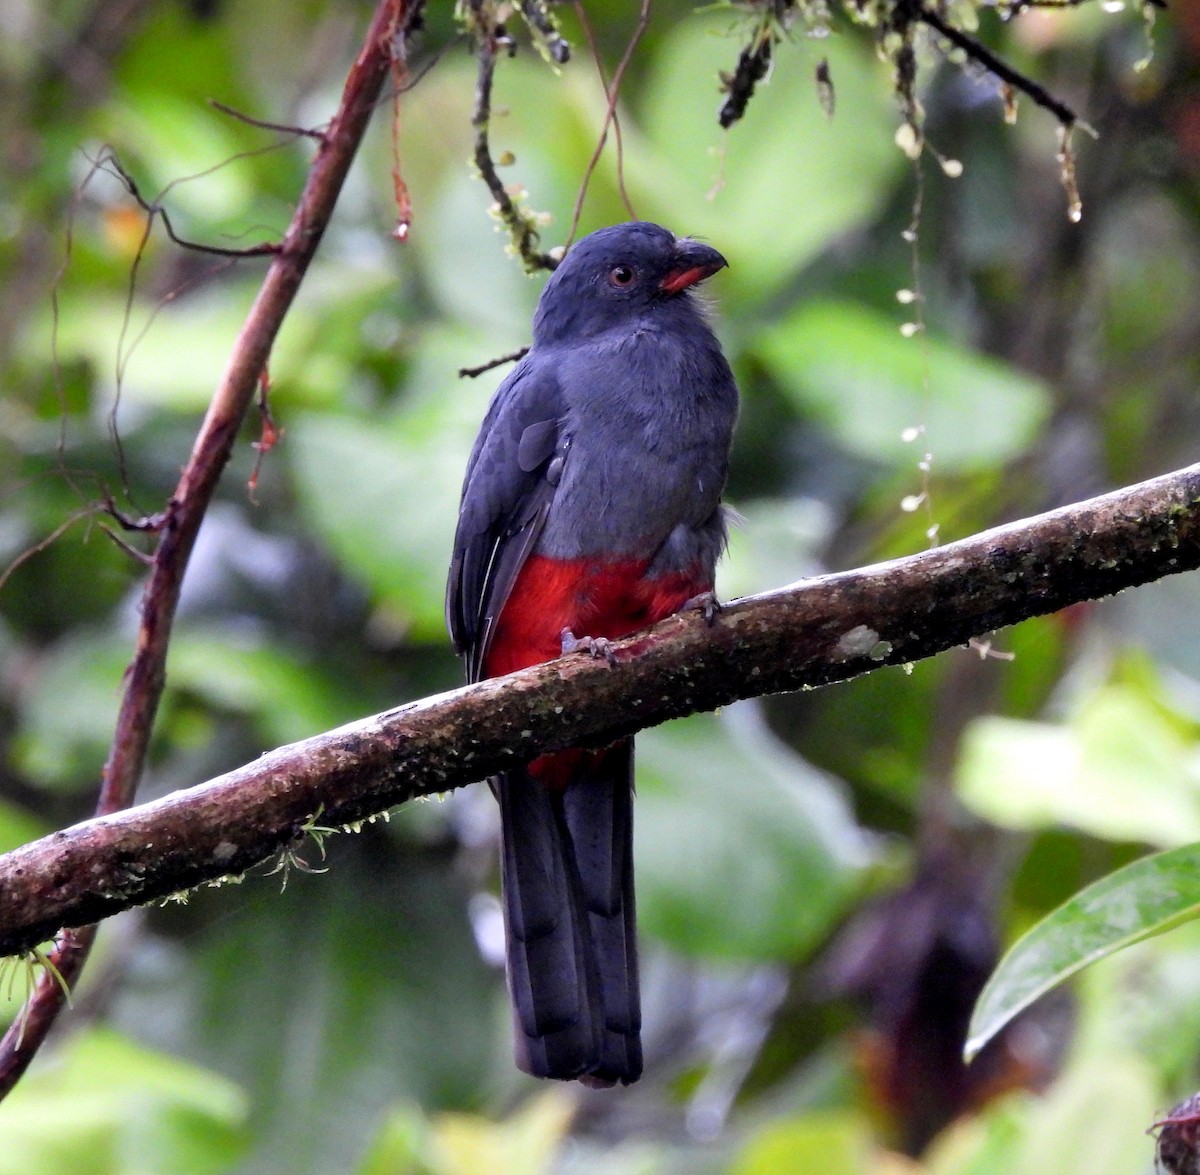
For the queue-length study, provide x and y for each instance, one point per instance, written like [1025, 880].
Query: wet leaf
[1146, 898]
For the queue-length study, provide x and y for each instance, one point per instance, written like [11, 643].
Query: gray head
[616, 275]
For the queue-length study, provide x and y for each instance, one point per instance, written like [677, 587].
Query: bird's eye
[622, 275]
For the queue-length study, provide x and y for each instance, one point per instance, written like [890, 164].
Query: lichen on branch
[898, 26]
[823, 630]
[484, 21]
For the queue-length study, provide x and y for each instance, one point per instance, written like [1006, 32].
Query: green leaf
[18, 827]
[178, 137]
[776, 189]
[1120, 769]
[721, 799]
[400, 1146]
[384, 494]
[174, 355]
[776, 541]
[831, 1143]
[523, 1144]
[1094, 1119]
[335, 1000]
[111, 1107]
[851, 367]
[288, 698]
[69, 709]
[465, 240]
[1143, 899]
[979, 1144]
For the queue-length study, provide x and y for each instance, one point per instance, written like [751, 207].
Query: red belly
[598, 600]
[610, 600]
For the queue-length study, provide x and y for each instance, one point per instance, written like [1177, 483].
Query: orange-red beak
[694, 262]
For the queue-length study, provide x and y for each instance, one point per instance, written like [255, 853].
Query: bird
[591, 508]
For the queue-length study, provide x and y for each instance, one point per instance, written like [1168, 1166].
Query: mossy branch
[823, 630]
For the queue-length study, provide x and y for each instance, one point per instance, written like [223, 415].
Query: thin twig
[121, 360]
[264, 125]
[412, 80]
[268, 436]
[42, 544]
[500, 361]
[610, 114]
[145, 677]
[127, 547]
[594, 48]
[400, 192]
[999, 68]
[155, 209]
[522, 229]
[109, 163]
[136, 522]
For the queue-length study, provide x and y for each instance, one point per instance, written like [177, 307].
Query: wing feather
[506, 494]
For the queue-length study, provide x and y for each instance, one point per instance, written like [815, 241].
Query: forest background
[924, 349]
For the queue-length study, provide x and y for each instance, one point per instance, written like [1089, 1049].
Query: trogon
[590, 509]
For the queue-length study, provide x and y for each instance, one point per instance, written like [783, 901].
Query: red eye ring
[621, 275]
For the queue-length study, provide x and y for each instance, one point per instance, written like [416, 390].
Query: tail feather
[567, 864]
[545, 954]
[597, 812]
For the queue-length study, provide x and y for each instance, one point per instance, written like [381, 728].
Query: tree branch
[819, 631]
[998, 68]
[146, 675]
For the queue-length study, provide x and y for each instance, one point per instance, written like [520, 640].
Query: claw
[705, 603]
[596, 646]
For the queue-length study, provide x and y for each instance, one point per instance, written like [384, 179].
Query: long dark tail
[567, 873]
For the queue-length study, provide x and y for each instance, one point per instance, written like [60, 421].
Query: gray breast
[648, 439]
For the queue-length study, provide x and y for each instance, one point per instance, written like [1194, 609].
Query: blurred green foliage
[356, 1021]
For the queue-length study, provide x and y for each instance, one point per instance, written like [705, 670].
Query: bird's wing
[506, 493]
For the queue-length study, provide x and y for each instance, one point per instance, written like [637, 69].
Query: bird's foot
[705, 603]
[596, 646]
